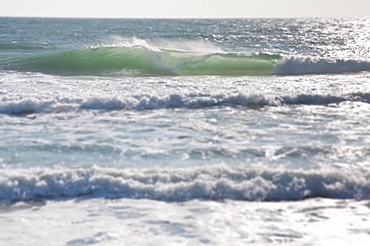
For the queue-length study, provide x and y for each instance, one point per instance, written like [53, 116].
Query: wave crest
[172, 101]
[178, 185]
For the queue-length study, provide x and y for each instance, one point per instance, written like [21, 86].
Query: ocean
[184, 131]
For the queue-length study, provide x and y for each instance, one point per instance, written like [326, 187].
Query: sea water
[184, 132]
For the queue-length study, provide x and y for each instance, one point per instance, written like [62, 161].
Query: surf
[56, 105]
[317, 65]
[212, 183]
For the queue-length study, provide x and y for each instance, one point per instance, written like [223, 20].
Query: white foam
[132, 103]
[206, 183]
[148, 222]
[132, 42]
[304, 65]
[197, 46]
[146, 102]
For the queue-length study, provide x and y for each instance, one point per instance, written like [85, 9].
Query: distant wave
[21, 106]
[22, 46]
[178, 185]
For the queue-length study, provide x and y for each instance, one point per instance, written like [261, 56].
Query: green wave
[140, 61]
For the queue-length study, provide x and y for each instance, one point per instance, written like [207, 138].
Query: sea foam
[149, 102]
[307, 65]
[181, 184]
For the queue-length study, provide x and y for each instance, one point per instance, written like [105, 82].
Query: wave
[16, 46]
[190, 101]
[145, 103]
[140, 60]
[179, 185]
[144, 60]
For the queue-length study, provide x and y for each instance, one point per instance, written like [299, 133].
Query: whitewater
[184, 132]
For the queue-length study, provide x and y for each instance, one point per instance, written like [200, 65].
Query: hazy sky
[184, 8]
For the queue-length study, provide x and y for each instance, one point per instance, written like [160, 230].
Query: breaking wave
[173, 101]
[143, 60]
[298, 66]
[140, 60]
[178, 185]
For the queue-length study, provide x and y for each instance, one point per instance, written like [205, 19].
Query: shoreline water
[137, 222]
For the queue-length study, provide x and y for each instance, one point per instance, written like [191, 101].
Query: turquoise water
[185, 131]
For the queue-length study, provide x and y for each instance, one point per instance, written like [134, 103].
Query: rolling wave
[23, 106]
[178, 185]
[146, 61]
[140, 60]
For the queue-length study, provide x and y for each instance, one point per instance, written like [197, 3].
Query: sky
[184, 8]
